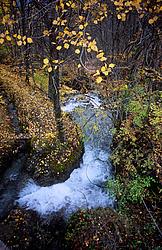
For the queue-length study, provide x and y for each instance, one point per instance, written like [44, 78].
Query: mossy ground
[105, 229]
[96, 229]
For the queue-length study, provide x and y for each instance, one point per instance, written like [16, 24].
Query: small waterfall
[85, 187]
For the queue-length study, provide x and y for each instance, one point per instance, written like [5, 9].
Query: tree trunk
[53, 85]
[53, 93]
[23, 10]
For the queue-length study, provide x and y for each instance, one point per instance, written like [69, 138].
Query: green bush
[130, 191]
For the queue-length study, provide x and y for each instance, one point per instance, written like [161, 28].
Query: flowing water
[85, 187]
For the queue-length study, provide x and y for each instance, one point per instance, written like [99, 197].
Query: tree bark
[53, 93]
[53, 84]
[23, 9]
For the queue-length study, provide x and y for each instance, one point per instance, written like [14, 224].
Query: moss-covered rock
[51, 161]
[95, 229]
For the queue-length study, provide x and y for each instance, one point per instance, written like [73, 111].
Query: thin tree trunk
[53, 86]
[53, 93]
[24, 31]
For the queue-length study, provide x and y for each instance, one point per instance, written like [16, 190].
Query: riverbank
[36, 120]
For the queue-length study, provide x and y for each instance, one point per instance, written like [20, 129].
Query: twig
[152, 217]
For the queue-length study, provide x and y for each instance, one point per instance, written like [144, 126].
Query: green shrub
[130, 191]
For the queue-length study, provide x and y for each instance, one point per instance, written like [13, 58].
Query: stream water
[85, 187]
[9, 182]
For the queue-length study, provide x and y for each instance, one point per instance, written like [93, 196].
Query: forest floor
[36, 123]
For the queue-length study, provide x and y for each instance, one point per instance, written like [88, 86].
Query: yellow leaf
[102, 59]
[62, 5]
[50, 69]
[73, 42]
[55, 61]
[97, 73]
[80, 33]
[45, 32]
[127, 4]
[100, 55]
[79, 65]
[73, 32]
[19, 37]
[19, 43]
[142, 15]
[95, 22]
[81, 17]
[123, 17]
[92, 45]
[29, 40]
[73, 5]
[86, 24]
[8, 38]
[54, 22]
[59, 47]
[63, 22]
[77, 51]
[119, 16]
[66, 45]
[44, 66]
[152, 20]
[136, 3]
[111, 65]
[99, 79]
[24, 38]
[106, 72]
[1, 40]
[103, 68]
[45, 61]
[81, 27]
[61, 61]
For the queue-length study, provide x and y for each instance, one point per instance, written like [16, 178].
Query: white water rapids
[85, 187]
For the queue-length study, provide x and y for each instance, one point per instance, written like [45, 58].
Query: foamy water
[85, 187]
